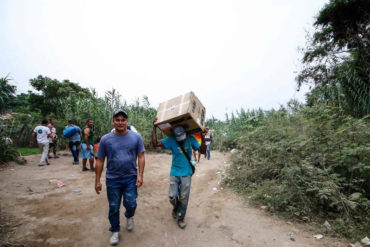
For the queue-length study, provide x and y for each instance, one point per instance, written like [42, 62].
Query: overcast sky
[231, 53]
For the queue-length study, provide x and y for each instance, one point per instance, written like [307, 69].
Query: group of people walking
[124, 150]
[82, 139]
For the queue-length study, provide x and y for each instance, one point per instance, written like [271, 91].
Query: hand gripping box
[185, 110]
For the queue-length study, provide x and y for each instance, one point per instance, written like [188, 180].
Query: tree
[337, 58]
[7, 93]
[54, 94]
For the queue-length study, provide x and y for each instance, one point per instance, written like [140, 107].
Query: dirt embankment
[41, 214]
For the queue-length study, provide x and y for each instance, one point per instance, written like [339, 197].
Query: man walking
[122, 148]
[42, 132]
[181, 170]
[87, 149]
[74, 141]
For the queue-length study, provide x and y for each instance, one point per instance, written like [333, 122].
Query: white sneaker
[130, 223]
[114, 239]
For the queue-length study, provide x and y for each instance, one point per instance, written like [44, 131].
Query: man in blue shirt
[181, 171]
[122, 148]
[74, 141]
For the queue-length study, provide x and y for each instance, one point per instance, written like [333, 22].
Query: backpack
[70, 131]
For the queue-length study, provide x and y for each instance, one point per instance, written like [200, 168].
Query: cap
[120, 112]
[180, 133]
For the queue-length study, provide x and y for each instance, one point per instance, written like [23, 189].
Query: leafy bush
[7, 151]
[308, 162]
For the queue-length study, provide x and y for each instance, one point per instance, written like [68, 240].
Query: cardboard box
[185, 110]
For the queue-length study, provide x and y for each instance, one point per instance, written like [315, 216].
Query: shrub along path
[42, 214]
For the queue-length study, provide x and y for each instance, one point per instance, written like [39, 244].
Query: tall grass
[307, 163]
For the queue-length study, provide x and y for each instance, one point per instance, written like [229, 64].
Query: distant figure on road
[87, 149]
[208, 139]
[181, 170]
[122, 148]
[42, 132]
[74, 141]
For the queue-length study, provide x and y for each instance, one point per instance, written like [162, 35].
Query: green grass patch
[25, 151]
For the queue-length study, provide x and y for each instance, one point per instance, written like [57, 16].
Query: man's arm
[32, 138]
[155, 142]
[98, 170]
[86, 137]
[141, 164]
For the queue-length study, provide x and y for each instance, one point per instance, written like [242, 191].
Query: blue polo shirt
[180, 164]
[121, 152]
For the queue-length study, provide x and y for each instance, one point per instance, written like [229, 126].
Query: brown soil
[38, 213]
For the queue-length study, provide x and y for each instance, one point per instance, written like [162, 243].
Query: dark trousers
[53, 146]
[74, 147]
[116, 189]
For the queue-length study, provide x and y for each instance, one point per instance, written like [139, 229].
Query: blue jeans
[208, 151]
[73, 146]
[178, 194]
[125, 187]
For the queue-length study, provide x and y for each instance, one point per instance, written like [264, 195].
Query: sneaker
[114, 239]
[56, 157]
[84, 169]
[181, 223]
[75, 162]
[92, 169]
[41, 164]
[130, 223]
[47, 163]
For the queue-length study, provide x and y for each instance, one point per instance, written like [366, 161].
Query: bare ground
[38, 213]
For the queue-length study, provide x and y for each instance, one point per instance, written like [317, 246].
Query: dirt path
[46, 215]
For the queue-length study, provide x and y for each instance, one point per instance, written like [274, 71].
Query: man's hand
[88, 147]
[139, 181]
[97, 187]
[154, 121]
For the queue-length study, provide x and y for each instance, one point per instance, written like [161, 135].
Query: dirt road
[44, 215]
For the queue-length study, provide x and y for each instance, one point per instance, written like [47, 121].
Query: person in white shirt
[42, 133]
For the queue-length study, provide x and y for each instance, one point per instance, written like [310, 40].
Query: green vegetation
[312, 161]
[7, 151]
[7, 93]
[67, 100]
[25, 151]
[337, 58]
[306, 161]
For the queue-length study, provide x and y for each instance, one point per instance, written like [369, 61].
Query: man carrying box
[181, 169]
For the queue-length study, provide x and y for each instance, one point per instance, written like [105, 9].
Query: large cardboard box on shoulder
[185, 110]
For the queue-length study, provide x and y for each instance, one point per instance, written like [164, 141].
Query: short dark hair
[44, 121]
[71, 121]
[88, 120]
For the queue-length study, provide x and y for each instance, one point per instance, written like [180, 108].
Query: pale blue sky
[231, 53]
